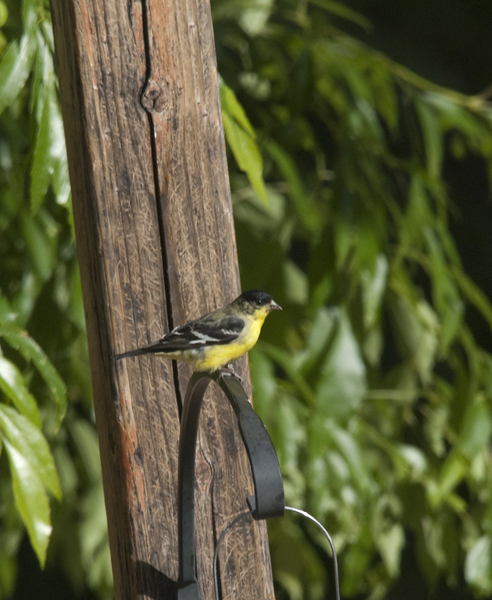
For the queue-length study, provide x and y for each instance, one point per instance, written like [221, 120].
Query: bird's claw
[228, 370]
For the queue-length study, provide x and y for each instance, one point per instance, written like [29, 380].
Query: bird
[213, 341]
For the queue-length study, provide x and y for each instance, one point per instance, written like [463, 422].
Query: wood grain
[155, 236]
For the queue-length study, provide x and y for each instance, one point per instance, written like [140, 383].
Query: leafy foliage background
[354, 181]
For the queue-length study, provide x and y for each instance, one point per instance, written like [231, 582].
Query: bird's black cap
[256, 298]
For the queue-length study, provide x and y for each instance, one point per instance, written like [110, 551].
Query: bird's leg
[229, 370]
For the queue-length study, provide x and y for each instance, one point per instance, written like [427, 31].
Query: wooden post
[155, 237]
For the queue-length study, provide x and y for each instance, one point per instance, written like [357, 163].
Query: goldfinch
[218, 338]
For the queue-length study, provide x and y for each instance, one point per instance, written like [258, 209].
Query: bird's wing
[199, 334]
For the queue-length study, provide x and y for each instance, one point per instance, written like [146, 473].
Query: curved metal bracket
[268, 500]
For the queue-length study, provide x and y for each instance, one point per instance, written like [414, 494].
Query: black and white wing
[194, 336]
[200, 333]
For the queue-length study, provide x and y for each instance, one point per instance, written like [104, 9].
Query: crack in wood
[153, 99]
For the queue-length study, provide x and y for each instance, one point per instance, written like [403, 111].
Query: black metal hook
[269, 489]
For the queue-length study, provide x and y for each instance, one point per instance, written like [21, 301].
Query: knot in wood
[153, 97]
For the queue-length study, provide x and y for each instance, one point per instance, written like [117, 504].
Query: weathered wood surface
[153, 218]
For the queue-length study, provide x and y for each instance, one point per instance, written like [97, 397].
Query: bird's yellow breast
[220, 355]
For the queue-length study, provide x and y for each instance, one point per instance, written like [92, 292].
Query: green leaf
[31, 501]
[417, 216]
[306, 208]
[418, 327]
[85, 437]
[477, 430]
[476, 434]
[234, 108]
[445, 292]
[454, 470]
[61, 181]
[30, 350]
[352, 453]
[433, 137]
[14, 387]
[474, 294]
[263, 381]
[284, 360]
[240, 136]
[478, 565]
[452, 115]
[385, 95]
[341, 10]
[342, 383]
[8, 570]
[14, 70]
[94, 541]
[390, 543]
[252, 20]
[49, 153]
[28, 440]
[343, 240]
[296, 283]
[31, 10]
[373, 287]
[42, 246]
[4, 13]
[320, 335]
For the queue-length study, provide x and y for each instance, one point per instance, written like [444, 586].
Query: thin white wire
[291, 509]
[216, 553]
[330, 541]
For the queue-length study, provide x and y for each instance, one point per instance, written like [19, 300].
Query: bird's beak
[274, 306]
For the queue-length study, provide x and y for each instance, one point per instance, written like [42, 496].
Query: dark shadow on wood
[151, 583]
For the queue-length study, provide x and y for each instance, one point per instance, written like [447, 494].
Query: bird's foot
[228, 370]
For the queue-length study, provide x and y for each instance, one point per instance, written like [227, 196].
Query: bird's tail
[138, 352]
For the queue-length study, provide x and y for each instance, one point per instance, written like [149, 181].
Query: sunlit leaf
[31, 501]
[4, 13]
[14, 70]
[49, 154]
[342, 384]
[19, 340]
[61, 180]
[454, 116]
[254, 17]
[390, 543]
[373, 287]
[478, 565]
[241, 138]
[31, 13]
[13, 385]
[27, 439]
